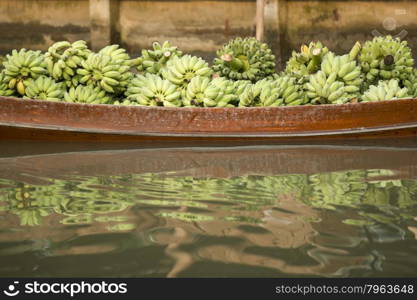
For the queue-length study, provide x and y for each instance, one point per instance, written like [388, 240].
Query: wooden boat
[68, 121]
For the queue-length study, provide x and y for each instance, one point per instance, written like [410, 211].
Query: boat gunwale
[250, 121]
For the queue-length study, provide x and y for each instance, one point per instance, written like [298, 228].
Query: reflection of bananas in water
[91, 199]
[382, 182]
[187, 217]
[337, 188]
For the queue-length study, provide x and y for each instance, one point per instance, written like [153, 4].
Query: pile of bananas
[63, 59]
[242, 75]
[411, 84]
[4, 88]
[87, 94]
[244, 59]
[43, 88]
[323, 89]
[152, 61]
[385, 90]
[180, 70]
[152, 90]
[102, 71]
[22, 65]
[204, 92]
[386, 58]
[307, 61]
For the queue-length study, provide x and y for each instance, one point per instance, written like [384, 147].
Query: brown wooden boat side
[393, 116]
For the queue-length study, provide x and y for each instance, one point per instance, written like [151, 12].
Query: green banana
[386, 58]
[385, 90]
[22, 65]
[152, 90]
[87, 94]
[101, 70]
[44, 88]
[347, 71]
[307, 61]
[204, 92]
[64, 58]
[181, 70]
[325, 89]
[411, 84]
[4, 87]
[244, 59]
[152, 61]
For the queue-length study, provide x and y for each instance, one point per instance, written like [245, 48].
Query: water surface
[266, 211]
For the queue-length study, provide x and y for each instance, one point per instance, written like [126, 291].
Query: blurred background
[201, 27]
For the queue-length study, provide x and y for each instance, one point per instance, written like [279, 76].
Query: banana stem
[233, 62]
[315, 62]
[388, 60]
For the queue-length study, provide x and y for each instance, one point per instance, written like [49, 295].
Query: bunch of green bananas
[63, 59]
[284, 90]
[22, 65]
[152, 90]
[307, 61]
[263, 93]
[244, 59]
[4, 88]
[411, 84]
[204, 92]
[136, 83]
[239, 86]
[291, 91]
[152, 61]
[101, 70]
[385, 90]
[347, 71]
[118, 55]
[386, 58]
[44, 88]
[323, 89]
[87, 94]
[180, 70]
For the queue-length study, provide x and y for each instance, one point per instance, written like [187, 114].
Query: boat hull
[35, 119]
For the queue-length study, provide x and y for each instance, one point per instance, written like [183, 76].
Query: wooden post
[260, 5]
[274, 25]
[103, 23]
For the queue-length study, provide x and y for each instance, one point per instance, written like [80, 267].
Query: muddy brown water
[230, 211]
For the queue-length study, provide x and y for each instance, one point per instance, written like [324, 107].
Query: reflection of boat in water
[274, 208]
[214, 162]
